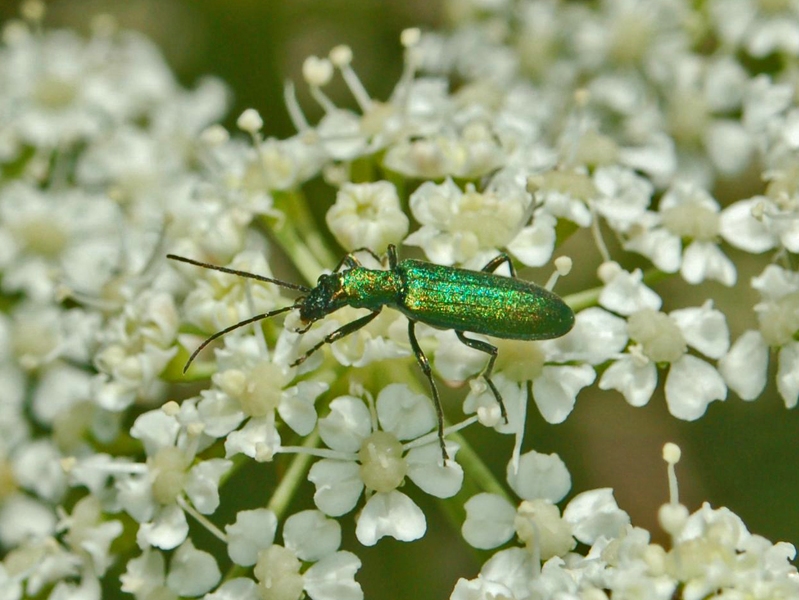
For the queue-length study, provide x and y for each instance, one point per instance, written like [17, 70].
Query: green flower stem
[300, 238]
[293, 478]
[477, 471]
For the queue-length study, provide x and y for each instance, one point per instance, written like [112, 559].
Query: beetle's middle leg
[492, 352]
[339, 333]
[428, 372]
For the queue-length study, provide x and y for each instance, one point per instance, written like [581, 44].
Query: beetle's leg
[391, 252]
[492, 264]
[339, 333]
[369, 251]
[492, 352]
[347, 260]
[428, 372]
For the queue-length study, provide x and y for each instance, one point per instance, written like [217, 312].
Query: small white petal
[704, 328]
[23, 518]
[311, 535]
[534, 244]
[660, 246]
[511, 568]
[240, 588]
[202, 486]
[745, 367]
[347, 425]
[168, 530]
[540, 476]
[788, 374]
[297, 408]
[256, 433]
[691, 385]
[595, 513]
[454, 360]
[426, 471]
[705, 260]
[636, 383]
[338, 486]
[333, 578]
[192, 572]
[219, 412]
[392, 514]
[254, 530]
[626, 294]
[741, 229]
[402, 412]
[156, 430]
[728, 145]
[555, 391]
[489, 521]
[597, 336]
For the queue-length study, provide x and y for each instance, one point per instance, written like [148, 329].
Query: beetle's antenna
[197, 263]
[235, 326]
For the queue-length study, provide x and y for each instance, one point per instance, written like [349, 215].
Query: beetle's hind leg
[492, 352]
[428, 372]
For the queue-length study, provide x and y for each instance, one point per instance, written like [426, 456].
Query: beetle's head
[327, 297]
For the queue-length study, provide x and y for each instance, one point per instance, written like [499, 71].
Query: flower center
[170, 465]
[519, 360]
[55, 93]
[42, 236]
[539, 526]
[691, 221]
[662, 340]
[278, 574]
[382, 466]
[779, 321]
[263, 391]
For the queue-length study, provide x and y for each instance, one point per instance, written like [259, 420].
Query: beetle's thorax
[358, 287]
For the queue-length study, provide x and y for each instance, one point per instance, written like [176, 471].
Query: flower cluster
[133, 389]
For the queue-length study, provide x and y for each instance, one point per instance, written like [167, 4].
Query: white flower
[87, 532]
[745, 367]
[691, 383]
[376, 460]
[759, 28]
[219, 300]
[685, 212]
[70, 239]
[367, 215]
[624, 292]
[308, 536]
[762, 223]
[191, 572]
[467, 226]
[254, 387]
[622, 196]
[253, 531]
[594, 514]
[541, 480]
[555, 382]
[152, 493]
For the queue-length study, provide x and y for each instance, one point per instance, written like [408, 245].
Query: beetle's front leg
[339, 333]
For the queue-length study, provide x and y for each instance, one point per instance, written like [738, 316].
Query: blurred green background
[740, 455]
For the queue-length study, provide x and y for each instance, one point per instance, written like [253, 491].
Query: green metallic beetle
[442, 297]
